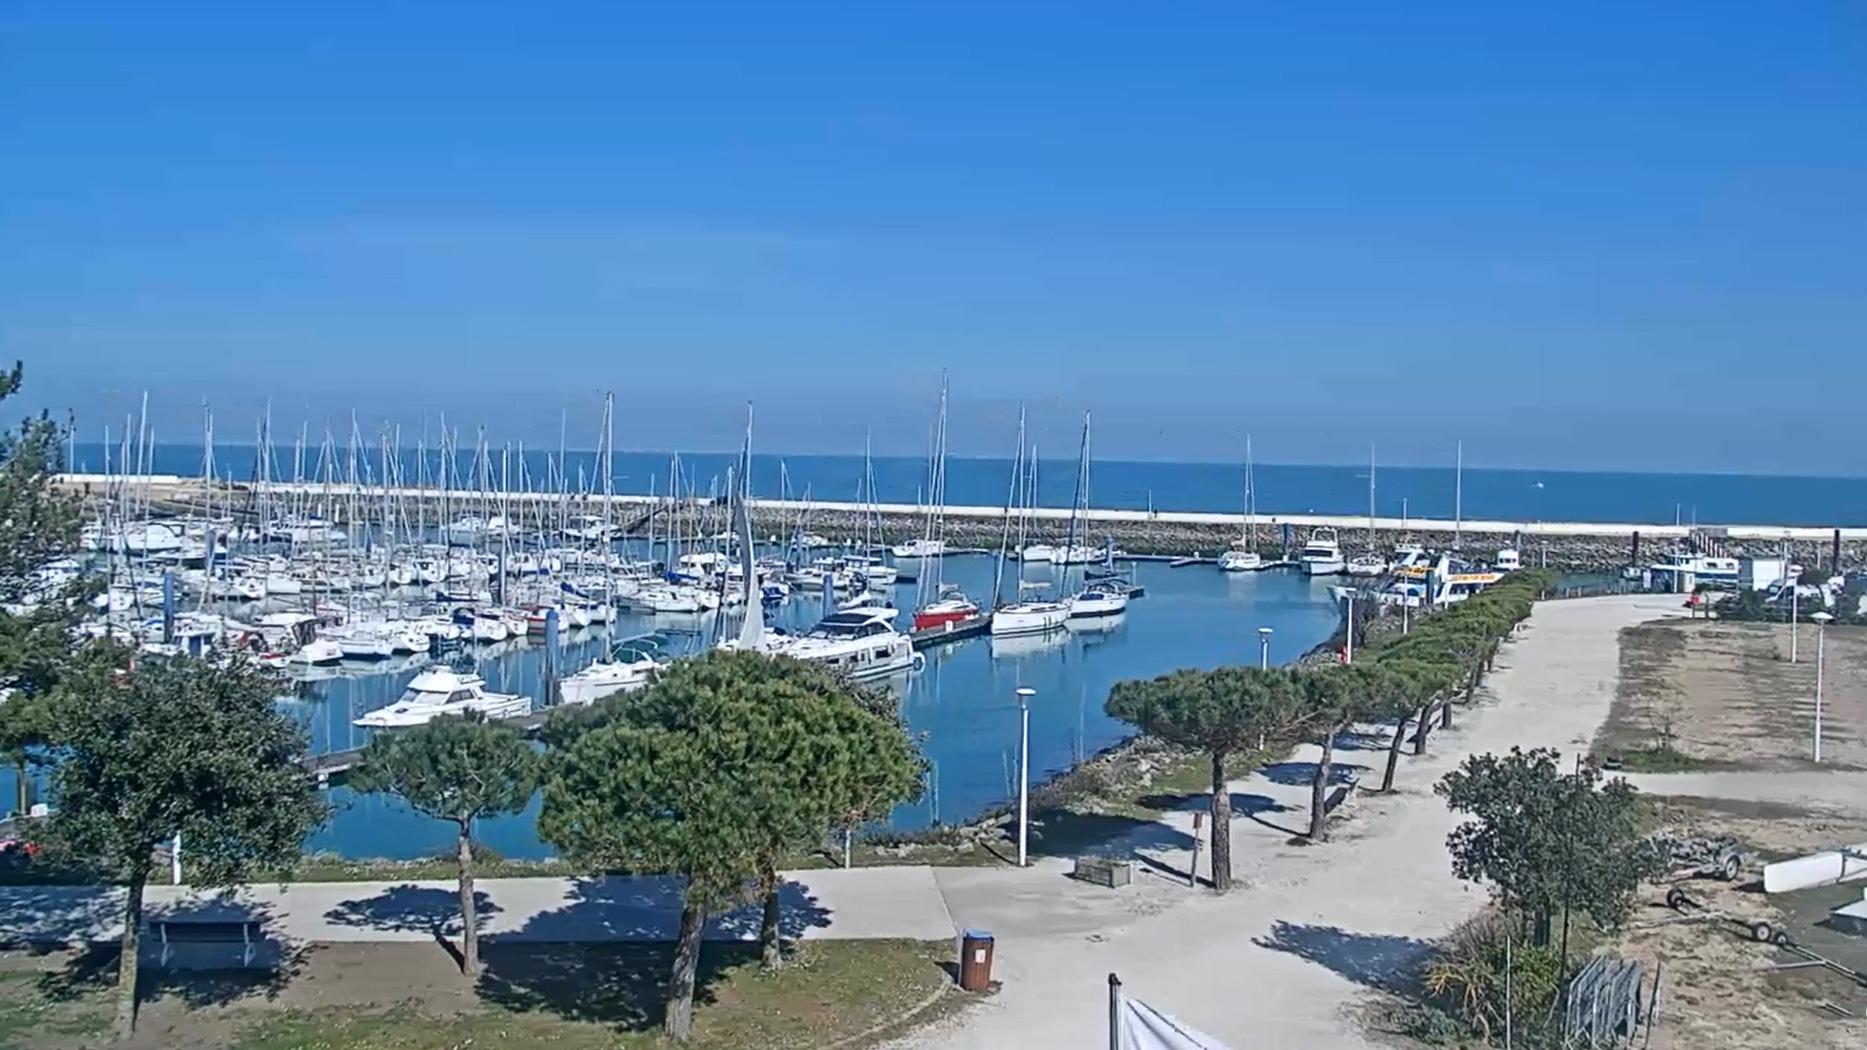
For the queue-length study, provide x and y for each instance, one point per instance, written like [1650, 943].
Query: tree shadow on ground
[1380, 961]
[605, 955]
[198, 974]
[1060, 833]
[1244, 804]
[1370, 740]
[410, 909]
[58, 915]
[1300, 774]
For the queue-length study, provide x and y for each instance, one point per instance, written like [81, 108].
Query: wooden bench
[1103, 871]
[243, 932]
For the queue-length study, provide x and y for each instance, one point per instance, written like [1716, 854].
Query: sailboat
[1368, 562]
[1022, 616]
[1094, 599]
[944, 603]
[1243, 555]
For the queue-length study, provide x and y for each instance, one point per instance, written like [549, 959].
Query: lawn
[567, 997]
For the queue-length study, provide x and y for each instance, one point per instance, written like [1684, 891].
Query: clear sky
[1579, 235]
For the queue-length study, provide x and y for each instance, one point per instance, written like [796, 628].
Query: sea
[1427, 492]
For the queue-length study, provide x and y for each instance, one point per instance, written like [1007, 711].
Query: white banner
[1144, 1028]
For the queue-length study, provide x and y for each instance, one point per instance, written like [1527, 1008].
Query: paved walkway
[862, 903]
[1280, 960]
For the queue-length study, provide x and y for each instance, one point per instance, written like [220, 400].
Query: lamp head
[1822, 618]
[1026, 692]
[1264, 632]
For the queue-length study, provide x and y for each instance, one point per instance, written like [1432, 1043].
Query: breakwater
[1568, 546]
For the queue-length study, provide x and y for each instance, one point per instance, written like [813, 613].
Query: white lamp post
[1348, 655]
[1264, 648]
[1795, 609]
[1024, 772]
[1821, 636]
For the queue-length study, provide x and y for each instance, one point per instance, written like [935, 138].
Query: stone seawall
[1567, 553]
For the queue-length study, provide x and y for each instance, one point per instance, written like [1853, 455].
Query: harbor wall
[1570, 546]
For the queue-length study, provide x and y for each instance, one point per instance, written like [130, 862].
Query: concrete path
[1280, 960]
[863, 903]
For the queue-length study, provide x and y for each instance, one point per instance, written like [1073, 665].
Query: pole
[1821, 637]
[1024, 774]
[1114, 1012]
[1795, 609]
[1264, 648]
[175, 861]
[1348, 657]
[1507, 984]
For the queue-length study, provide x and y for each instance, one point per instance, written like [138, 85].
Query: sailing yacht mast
[1012, 500]
[1371, 497]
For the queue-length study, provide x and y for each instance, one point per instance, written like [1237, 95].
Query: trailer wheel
[1675, 898]
[1762, 932]
[1781, 939]
[1730, 867]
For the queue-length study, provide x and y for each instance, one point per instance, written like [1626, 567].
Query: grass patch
[1661, 758]
[566, 997]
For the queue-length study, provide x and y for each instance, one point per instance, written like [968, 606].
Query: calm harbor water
[1513, 495]
[961, 704]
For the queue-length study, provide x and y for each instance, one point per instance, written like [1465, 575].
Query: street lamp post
[1024, 772]
[1348, 655]
[1795, 610]
[1821, 636]
[1264, 648]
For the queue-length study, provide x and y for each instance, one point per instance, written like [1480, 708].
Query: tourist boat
[444, 691]
[1435, 579]
[951, 607]
[1240, 559]
[1322, 555]
[630, 664]
[861, 643]
[1367, 563]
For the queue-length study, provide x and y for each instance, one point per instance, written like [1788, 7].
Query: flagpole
[1114, 1012]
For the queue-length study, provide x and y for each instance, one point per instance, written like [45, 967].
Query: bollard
[975, 960]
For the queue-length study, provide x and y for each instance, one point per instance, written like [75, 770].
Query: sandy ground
[1727, 693]
[1734, 702]
[1286, 957]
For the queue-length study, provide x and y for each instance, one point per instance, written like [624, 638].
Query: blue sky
[1600, 223]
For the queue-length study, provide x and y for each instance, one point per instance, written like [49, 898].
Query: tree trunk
[132, 940]
[469, 915]
[680, 1007]
[1426, 724]
[1393, 753]
[1319, 790]
[771, 950]
[1445, 712]
[23, 796]
[1221, 826]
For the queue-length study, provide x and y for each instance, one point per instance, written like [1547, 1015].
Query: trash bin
[975, 960]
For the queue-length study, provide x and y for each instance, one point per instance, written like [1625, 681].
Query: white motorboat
[923, 547]
[1367, 563]
[673, 598]
[1037, 552]
[368, 641]
[1240, 559]
[861, 643]
[1098, 601]
[1029, 617]
[1322, 555]
[629, 665]
[318, 652]
[1508, 560]
[443, 691]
